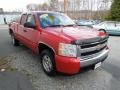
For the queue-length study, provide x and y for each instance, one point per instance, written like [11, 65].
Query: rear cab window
[23, 19]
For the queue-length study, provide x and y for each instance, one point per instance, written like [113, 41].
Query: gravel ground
[28, 63]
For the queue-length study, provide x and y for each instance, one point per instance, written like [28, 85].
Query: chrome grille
[90, 50]
[91, 56]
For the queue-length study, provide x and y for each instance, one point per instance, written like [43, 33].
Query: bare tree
[53, 5]
[45, 7]
[31, 7]
[1, 10]
[88, 9]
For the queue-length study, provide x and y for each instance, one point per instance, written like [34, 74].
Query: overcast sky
[9, 5]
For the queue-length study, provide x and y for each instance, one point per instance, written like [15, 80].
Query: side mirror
[29, 25]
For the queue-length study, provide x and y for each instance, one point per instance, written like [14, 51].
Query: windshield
[54, 19]
[100, 24]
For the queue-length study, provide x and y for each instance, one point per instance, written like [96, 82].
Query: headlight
[67, 50]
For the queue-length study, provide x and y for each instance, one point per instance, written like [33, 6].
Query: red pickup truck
[62, 45]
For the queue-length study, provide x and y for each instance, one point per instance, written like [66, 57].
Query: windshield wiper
[60, 25]
[54, 26]
[70, 25]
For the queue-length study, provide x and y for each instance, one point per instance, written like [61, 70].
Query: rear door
[31, 34]
[21, 31]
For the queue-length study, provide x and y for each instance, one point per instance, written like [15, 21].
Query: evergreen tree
[115, 11]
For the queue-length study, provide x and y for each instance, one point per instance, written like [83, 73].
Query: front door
[31, 33]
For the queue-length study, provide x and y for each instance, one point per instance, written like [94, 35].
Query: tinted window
[31, 19]
[23, 19]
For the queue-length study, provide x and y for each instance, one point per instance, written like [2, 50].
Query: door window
[31, 19]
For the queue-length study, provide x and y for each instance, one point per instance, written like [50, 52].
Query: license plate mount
[97, 65]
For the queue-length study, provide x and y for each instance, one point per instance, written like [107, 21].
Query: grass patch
[12, 69]
[3, 62]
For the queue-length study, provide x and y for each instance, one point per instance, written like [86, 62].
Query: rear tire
[48, 62]
[15, 41]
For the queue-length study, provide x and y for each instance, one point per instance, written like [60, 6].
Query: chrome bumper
[101, 57]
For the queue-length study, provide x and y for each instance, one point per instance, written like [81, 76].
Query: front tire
[48, 62]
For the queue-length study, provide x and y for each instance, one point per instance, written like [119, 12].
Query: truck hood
[75, 33]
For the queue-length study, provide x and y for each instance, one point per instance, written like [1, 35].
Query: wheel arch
[10, 31]
[103, 30]
[42, 46]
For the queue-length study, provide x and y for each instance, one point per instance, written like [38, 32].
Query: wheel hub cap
[47, 64]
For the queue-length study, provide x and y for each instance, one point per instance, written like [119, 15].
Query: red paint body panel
[67, 64]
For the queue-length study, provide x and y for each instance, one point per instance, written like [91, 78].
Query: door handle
[25, 30]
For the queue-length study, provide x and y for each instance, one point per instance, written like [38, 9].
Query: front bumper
[100, 58]
[67, 65]
[73, 65]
